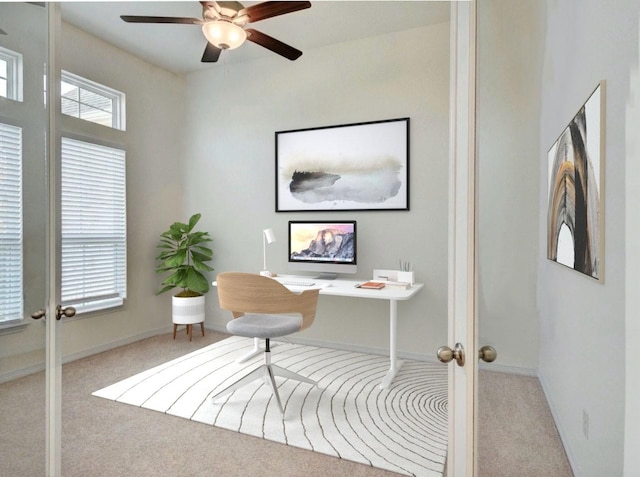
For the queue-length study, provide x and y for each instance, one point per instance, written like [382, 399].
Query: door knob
[38, 314]
[68, 312]
[488, 354]
[446, 354]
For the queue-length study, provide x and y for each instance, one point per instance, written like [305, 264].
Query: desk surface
[349, 288]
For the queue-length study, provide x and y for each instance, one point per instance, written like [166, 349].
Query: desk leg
[395, 364]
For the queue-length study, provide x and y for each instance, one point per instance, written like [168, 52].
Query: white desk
[348, 288]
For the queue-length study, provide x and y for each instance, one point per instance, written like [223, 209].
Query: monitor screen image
[323, 246]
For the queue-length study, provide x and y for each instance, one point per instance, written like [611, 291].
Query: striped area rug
[402, 429]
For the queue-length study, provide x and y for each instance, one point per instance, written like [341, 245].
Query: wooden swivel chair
[258, 305]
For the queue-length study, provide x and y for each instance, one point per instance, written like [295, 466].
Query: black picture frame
[348, 167]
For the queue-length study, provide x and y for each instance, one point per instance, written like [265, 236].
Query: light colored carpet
[402, 429]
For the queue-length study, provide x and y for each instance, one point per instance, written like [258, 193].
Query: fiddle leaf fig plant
[183, 253]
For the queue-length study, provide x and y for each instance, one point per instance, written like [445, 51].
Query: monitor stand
[327, 276]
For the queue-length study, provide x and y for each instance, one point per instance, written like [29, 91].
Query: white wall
[583, 320]
[508, 83]
[155, 164]
[632, 297]
[232, 120]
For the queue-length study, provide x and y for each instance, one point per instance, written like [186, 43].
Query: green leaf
[161, 269]
[193, 221]
[196, 281]
[199, 265]
[165, 289]
[202, 266]
[201, 257]
[177, 278]
[177, 260]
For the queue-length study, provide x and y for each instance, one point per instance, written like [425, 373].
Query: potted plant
[183, 254]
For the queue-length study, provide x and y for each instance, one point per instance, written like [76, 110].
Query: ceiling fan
[223, 26]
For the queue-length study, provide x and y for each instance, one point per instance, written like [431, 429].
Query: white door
[29, 398]
[23, 237]
[54, 312]
[462, 256]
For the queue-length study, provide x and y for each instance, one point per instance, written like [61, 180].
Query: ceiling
[178, 48]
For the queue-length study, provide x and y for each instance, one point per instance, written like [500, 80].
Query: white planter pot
[188, 311]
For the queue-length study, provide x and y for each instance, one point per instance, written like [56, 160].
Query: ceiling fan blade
[211, 54]
[142, 19]
[272, 44]
[264, 10]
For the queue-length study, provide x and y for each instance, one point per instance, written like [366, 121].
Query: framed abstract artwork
[363, 166]
[575, 207]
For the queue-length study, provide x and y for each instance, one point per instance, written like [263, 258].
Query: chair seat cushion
[264, 326]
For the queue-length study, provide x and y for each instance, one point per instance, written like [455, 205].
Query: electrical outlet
[585, 423]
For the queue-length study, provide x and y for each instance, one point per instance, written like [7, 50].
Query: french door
[40, 217]
[28, 110]
[462, 341]
[29, 398]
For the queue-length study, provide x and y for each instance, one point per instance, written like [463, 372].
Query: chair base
[268, 372]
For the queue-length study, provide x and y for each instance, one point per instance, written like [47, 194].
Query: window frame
[13, 59]
[118, 99]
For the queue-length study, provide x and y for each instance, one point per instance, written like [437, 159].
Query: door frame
[461, 459]
[53, 350]
[462, 327]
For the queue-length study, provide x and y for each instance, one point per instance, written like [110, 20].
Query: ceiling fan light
[223, 34]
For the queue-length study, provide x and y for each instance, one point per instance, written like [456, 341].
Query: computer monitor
[323, 247]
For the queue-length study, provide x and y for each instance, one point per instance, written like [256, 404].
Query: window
[93, 224]
[85, 99]
[11, 305]
[10, 74]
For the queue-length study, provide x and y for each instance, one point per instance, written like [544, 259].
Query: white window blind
[93, 224]
[11, 303]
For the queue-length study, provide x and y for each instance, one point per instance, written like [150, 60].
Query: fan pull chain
[225, 66]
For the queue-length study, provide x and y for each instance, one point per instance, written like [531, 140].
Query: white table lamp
[267, 237]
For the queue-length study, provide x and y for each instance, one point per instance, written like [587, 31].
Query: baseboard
[502, 368]
[359, 349]
[343, 346]
[29, 370]
[561, 431]
[505, 368]
[20, 373]
[115, 344]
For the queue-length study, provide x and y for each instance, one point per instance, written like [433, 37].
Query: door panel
[22, 343]
[462, 262]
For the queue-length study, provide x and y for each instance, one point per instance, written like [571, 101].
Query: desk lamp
[267, 237]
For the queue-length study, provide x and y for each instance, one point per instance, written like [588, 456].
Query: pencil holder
[407, 277]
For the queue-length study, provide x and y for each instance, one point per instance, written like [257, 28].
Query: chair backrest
[243, 293]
